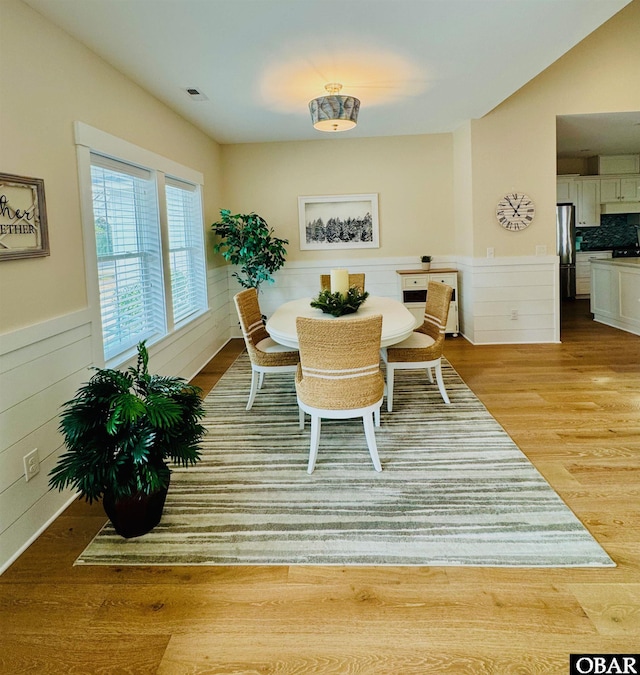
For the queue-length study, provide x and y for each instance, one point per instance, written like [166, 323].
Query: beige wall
[463, 190]
[514, 147]
[48, 81]
[411, 174]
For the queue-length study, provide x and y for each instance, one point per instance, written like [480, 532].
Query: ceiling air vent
[196, 94]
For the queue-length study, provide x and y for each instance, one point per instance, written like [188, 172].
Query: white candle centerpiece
[340, 281]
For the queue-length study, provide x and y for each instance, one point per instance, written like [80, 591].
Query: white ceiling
[418, 66]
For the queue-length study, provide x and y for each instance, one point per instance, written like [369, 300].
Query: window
[186, 251]
[144, 213]
[129, 255]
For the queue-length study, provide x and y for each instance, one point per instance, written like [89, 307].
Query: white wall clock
[515, 211]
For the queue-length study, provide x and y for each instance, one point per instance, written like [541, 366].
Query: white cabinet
[585, 194]
[583, 270]
[611, 164]
[620, 189]
[588, 202]
[413, 289]
[616, 293]
[566, 191]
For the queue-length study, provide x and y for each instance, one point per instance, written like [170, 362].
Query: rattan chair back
[436, 311]
[356, 280]
[339, 362]
[254, 331]
[250, 316]
[413, 352]
[434, 325]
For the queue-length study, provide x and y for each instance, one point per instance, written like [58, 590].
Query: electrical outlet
[31, 464]
[541, 249]
[514, 315]
[490, 252]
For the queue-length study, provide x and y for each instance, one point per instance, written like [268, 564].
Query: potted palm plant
[120, 431]
[246, 240]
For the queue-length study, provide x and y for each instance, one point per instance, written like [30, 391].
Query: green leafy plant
[122, 427]
[426, 259]
[247, 241]
[338, 304]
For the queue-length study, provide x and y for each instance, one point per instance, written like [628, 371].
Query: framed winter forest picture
[338, 222]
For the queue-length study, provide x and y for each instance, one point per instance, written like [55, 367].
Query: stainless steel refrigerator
[566, 240]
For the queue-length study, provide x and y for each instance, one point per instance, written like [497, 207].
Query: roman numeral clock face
[515, 211]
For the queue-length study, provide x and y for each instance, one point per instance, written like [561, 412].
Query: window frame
[91, 140]
[196, 191]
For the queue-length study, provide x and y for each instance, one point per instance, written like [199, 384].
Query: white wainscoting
[512, 300]
[41, 367]
[299, 279]
[490, 291]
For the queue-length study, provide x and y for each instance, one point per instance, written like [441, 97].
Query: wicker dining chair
[356, 280]
[418, 350]
[265, 354]
[339, 376]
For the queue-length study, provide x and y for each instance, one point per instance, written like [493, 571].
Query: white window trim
[90, 139]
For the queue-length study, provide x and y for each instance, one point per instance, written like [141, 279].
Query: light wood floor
[574, 410]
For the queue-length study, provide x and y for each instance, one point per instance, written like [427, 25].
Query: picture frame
[333, 222]
[23, 218]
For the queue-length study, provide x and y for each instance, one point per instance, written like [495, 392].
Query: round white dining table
[397, 321]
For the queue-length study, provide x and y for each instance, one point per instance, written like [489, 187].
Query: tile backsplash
[614, 230]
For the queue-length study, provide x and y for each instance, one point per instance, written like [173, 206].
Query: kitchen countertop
[619, 262]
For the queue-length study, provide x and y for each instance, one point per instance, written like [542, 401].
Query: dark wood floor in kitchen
[574, 410]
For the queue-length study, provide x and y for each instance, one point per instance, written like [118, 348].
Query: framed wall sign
[338, 222]
[23, 218]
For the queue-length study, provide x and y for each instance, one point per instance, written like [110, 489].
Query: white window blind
[125, 211]
[186, 249]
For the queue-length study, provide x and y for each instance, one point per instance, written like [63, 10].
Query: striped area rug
[454, 489]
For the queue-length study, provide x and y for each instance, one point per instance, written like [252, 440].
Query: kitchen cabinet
[583, 270]
[616, 293]
[603, 165]
[585, 194]
[566, 191]
[620, 189]
[588, 202]
[413, 291]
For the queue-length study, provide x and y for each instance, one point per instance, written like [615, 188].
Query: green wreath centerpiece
[338, 304]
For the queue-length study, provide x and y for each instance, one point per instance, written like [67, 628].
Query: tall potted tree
[247, 240]
[120, 431]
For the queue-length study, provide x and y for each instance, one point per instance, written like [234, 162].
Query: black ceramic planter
[137, 515]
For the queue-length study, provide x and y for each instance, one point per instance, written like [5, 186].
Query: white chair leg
[371, 440]
[315, 441]
[301, 417]
[430, 375]
[254, 388]
[390, 370]
[261, 379]
[443, 391]
[376, 416]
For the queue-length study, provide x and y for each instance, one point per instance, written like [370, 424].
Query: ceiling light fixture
[334, 112]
